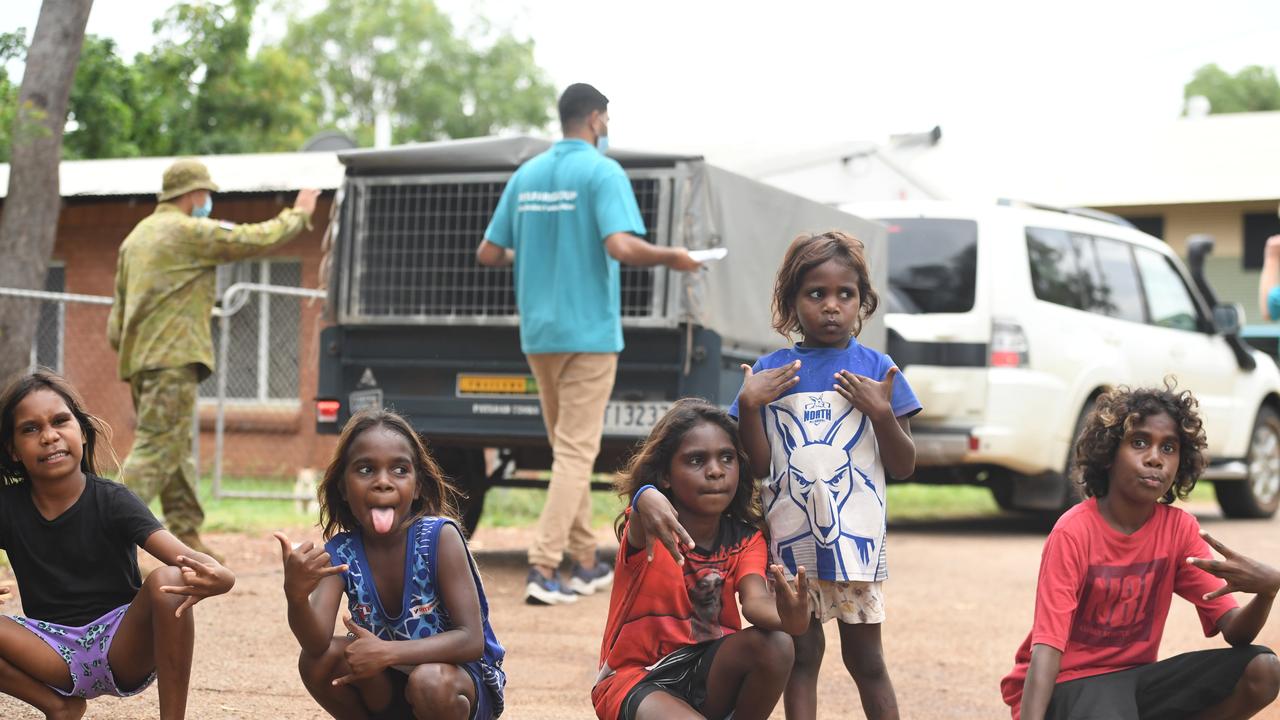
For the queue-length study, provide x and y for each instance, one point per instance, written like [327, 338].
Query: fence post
[224, 337]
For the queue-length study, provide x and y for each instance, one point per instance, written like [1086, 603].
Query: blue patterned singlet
[422, 612]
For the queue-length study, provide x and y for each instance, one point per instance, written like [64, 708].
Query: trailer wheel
[1259, 495]
[464, 469]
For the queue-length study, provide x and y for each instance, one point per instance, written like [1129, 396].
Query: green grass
[933, 502]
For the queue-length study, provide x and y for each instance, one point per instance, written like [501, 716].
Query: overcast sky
[690, 73]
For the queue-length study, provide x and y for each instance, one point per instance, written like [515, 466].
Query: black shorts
[683, 674]
[1175, 688]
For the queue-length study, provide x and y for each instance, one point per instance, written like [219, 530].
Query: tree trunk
[29, 222]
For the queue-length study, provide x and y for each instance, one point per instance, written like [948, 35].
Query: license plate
[364, 399]
[632, 418]
[470, 385]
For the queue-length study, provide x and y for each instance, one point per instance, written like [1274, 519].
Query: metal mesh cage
[413, 255]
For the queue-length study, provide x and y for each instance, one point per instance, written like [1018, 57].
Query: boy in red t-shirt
[1110, 569]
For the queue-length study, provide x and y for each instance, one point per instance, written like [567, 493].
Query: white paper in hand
[709, 255]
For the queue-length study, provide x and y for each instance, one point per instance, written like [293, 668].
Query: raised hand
[762, 388]
[792, 603]
[365, 654]
[304, 566]
[199, 581]
[1241, 573]
[871, 398]
[661, 524]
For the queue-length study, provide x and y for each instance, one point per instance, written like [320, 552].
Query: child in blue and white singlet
[419, 641]
[823, 422]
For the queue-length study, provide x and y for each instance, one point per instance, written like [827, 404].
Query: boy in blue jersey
[566, 219]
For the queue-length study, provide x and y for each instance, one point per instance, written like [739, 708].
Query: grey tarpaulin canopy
[711, 208]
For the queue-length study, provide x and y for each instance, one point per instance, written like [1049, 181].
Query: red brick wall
[89, 236]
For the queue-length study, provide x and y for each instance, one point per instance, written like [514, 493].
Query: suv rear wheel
[1258, 496]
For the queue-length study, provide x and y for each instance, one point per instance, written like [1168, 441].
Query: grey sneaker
[541, 590]
[589, 581]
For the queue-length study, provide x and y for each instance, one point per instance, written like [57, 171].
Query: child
[1110, 569]
[92, 626]
[418, 640]
[674, 646]
[823, 422]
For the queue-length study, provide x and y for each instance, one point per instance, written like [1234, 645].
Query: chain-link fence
[254, 434]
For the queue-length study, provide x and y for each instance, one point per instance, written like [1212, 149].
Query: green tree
[1253, 89]
[12, 46]
[406, 58]
[202, 92]
[103, 117]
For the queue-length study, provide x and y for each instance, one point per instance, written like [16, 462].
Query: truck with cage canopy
[416, 325]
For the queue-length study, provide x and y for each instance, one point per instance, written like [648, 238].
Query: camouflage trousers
[160, 461]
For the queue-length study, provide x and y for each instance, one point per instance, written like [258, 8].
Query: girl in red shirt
[669, 619]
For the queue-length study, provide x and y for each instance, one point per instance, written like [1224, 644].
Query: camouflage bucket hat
[183, 176]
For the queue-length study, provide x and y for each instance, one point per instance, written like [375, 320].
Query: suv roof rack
[1078, 211]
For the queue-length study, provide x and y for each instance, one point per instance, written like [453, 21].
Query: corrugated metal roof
[265, 172]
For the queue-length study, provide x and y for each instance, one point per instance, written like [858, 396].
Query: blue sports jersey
[824, 499]
[555, 212]
[422, 609]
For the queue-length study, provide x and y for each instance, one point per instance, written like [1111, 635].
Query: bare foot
[72, 709]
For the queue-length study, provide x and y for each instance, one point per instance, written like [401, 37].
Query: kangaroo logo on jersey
[818, 411]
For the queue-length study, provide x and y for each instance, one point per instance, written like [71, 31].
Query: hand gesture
[661, 524]
[364, 654]
[306, 201]
[681, 260]
[199, 581]
[1241, 573]
[792, 603]
[304, 566]
[871, 398]
[1273, 247]
[760, 389]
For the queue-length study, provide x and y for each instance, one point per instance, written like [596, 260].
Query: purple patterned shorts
[85, 651]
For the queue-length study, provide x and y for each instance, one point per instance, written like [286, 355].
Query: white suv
[1010, 319]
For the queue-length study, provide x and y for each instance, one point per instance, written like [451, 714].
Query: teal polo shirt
[555, 212]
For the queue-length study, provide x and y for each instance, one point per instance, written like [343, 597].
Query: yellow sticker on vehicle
[480, 385]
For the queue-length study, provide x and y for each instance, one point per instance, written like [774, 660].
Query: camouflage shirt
[166, 282]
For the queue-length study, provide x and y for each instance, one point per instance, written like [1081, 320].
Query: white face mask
[602, 139]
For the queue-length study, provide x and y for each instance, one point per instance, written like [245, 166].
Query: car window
[1122, 297]
[933, 265]
[1169, 300]
[1055, 274]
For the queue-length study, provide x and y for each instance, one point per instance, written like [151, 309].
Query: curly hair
[808, 252]
[1117, 412]
[652, 461]
[435, 495]
[92, 428]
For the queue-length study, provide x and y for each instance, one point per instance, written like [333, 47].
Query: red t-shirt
[658, 607]
[1103, 596]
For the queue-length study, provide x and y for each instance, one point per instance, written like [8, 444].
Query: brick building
[271, 373]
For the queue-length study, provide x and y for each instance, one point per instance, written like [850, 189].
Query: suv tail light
[1008, 345]
[327, 411]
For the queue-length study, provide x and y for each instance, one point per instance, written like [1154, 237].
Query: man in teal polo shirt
[567, 218]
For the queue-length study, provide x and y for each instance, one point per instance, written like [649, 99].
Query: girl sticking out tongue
[418, 642]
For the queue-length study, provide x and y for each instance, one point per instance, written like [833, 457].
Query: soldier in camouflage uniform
[160, 325]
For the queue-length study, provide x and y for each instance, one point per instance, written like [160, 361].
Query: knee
[165, 603]
[777, 652]
[808, 651]
[1261, 679]
[320, 670]
[863, 662]
[435, 686]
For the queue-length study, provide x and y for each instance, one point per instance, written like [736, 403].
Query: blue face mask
[204, 210]
[602, 143]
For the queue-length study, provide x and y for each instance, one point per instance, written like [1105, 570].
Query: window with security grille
[262, 356]
[415, 244]
[46, 351]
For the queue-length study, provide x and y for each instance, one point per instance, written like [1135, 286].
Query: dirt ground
[959, 602]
